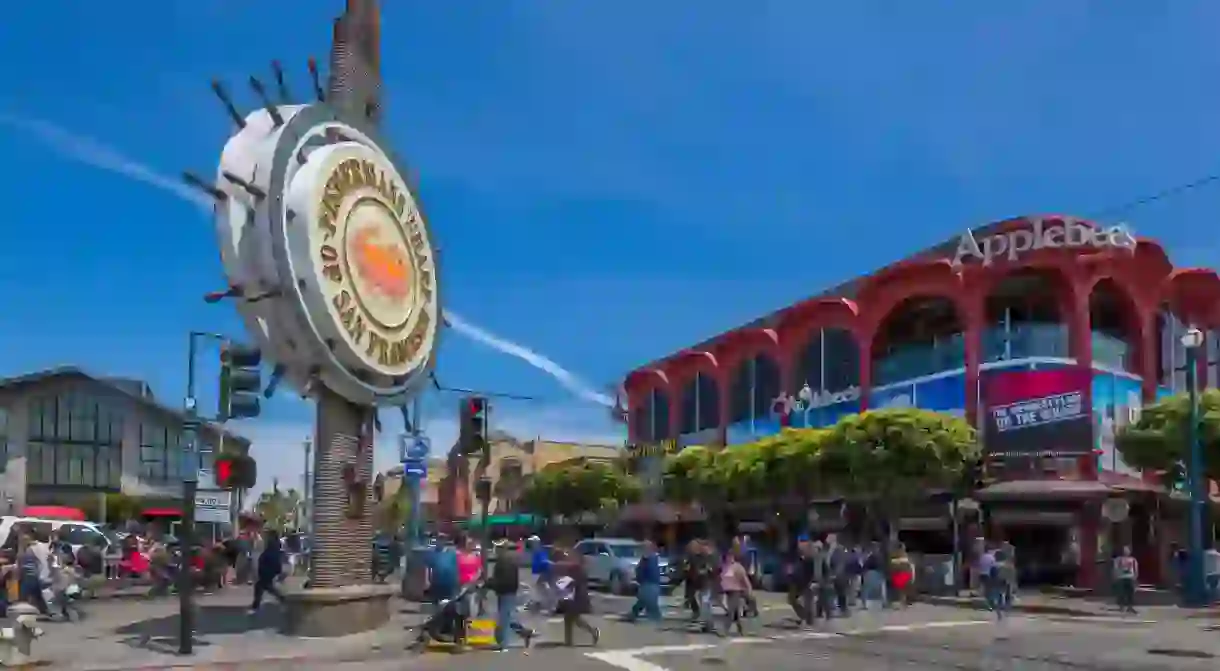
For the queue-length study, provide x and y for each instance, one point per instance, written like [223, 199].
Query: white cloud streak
[91, 152]
[562, 375]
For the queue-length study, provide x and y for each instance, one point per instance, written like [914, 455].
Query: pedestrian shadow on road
[161, 634]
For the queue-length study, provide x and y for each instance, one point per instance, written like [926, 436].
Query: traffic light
[241, 382]
[235, 471]
[472, 437]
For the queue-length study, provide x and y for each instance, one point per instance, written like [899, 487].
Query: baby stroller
[447, 624]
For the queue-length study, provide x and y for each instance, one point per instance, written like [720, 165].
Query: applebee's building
[1049, 333]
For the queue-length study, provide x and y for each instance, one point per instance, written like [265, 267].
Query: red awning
[56, 513]
[161, 512]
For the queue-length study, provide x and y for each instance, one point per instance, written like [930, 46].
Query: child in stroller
[447, 623]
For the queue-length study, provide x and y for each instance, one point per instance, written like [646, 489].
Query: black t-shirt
[505, 575]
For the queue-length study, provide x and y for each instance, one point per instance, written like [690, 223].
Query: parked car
[610, 562]
[774, 572]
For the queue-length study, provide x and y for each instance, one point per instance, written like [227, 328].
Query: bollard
[17, 642]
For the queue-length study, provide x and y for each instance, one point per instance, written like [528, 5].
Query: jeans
[30, 589]
[826, 600]
[506, 619]
[647, 601]
[873, 589]
[995, 593]
[704, 598]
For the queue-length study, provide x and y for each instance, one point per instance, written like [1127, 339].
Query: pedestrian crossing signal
[235, 471]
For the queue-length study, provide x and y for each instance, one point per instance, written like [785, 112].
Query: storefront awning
[519, 520]
[56, 513]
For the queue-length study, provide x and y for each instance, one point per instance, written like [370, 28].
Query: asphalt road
[919, 638]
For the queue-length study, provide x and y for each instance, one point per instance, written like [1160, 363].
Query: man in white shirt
[1211, 569]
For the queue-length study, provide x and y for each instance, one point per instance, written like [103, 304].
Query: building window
[75, 440]
[160, 453]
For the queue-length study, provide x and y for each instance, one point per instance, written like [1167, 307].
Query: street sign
[212, 506]
[415, 468]
[413, 448]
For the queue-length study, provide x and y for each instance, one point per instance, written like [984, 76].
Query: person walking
[838, 559]
[574, 602]
[542, 568]
[801, 582]
[29, 573]
[1126, 577]
[690, 579]
[269, 566]
[823, 581]
[648, 586]
[505, 582]
[1211, 572]
[902, 572]
[736, 587]
[872, 588]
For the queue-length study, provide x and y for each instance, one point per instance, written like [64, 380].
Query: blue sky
[609, 181]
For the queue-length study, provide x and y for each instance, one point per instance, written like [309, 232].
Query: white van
[76, 534]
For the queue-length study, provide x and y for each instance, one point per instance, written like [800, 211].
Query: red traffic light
[477, 405]
[235, 471]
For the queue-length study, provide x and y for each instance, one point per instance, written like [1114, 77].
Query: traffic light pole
[190, 485]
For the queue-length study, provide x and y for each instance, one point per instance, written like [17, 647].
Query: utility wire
[1161, 195]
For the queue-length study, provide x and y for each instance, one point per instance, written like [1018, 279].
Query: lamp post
[1196, 588]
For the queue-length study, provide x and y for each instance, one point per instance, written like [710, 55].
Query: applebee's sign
[808, 399]
[1041, 234]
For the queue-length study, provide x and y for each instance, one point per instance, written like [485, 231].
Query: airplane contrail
[88, 151]
[93, 153]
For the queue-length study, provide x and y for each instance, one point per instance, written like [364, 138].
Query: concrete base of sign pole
[336, 611]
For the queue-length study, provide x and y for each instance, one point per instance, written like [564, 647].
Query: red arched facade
[1143, 277]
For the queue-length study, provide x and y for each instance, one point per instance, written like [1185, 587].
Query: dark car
[774, 572]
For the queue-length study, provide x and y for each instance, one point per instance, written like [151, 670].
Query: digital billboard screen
[1037, 412]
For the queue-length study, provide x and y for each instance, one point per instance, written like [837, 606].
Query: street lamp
[1196, 586]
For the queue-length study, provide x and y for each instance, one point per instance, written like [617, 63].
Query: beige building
[67, 437]
[512, 461]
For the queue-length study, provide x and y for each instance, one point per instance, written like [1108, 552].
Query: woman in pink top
[469, 565]
[735, 584]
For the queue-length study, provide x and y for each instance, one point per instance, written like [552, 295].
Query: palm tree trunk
[341, 552]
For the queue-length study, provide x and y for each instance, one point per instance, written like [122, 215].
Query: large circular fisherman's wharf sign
[332, 230]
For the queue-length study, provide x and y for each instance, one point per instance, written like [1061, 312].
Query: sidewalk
[144, 635]
[1040, 603]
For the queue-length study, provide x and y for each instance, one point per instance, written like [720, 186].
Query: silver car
[611, 562]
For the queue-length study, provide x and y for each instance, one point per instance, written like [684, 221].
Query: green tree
[573, 489]
[278, 508]
[1160, 441]
[887, 459]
